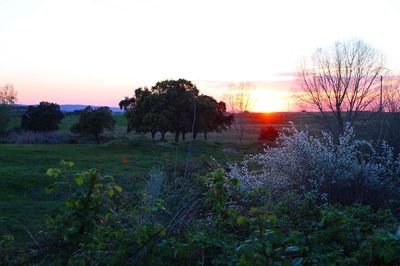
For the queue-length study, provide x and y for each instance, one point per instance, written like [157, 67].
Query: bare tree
[239, 99]
[389, 115]
[7, 94]
[390, 93]
[342, 81]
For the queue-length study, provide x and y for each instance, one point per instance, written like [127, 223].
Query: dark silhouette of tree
[127, 103]
[341, 82]
[223, 119]
[179, 97]
[144, 113]
[7, 113]
[44, 117]
[211, 116]
[170, 107]
[94, 122]
[153, 118]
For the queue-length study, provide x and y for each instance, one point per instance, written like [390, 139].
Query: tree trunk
[194, 135]
[162, 136]
[205, 135]
[153, 135]
[97, 138]
[177, 136]
[183, 136]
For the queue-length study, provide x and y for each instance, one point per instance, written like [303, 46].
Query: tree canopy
[44, 117]
[94, 122]
[174, 106]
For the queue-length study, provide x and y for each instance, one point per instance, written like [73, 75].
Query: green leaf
[235, 182]
[118, 188]
[110, 193]
[79, 180]
[50, 188]
[8, 237]
[53, 172]
[241, 220]
[272, 218]
[69, 203]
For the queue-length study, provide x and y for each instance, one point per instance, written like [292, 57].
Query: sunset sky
[98, 51]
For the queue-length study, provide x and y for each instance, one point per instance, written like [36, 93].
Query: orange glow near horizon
[268, 96]
[266, 101]
[96, 52]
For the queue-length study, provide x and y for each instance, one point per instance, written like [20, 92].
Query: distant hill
[72, 107]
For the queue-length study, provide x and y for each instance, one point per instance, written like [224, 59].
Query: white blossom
[306, 163]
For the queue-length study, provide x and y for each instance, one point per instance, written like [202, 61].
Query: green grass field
[253, 125]
[23, 168]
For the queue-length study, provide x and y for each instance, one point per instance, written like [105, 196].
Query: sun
[268, 100]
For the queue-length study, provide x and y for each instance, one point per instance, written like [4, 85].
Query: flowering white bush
[304, 164]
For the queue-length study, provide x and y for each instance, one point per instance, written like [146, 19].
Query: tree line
[344, 83]
[175, 106]
[169, 106]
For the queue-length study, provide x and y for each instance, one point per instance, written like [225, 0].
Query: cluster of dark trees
[47, 116]
[174, 106]
[169, 106]
[43, 117]
[94, 122]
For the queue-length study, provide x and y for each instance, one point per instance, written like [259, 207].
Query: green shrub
[6, 118]
[101, 225]
[43, 117]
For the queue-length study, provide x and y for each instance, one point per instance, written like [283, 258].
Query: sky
[98, 51]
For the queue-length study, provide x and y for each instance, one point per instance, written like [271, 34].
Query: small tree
[94, 122]
[44, 117]
[8, 97]
[239, 99]
[6, 118]
[268, 133]
[211, 116]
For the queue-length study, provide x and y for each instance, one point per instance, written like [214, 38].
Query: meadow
[127, 156]
[144, 168]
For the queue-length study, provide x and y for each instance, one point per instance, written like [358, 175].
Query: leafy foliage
[170, 105]
[6, 117]
[44, 117]
[94, 122]
[211, 116]
[268, 133]
[100, 224]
